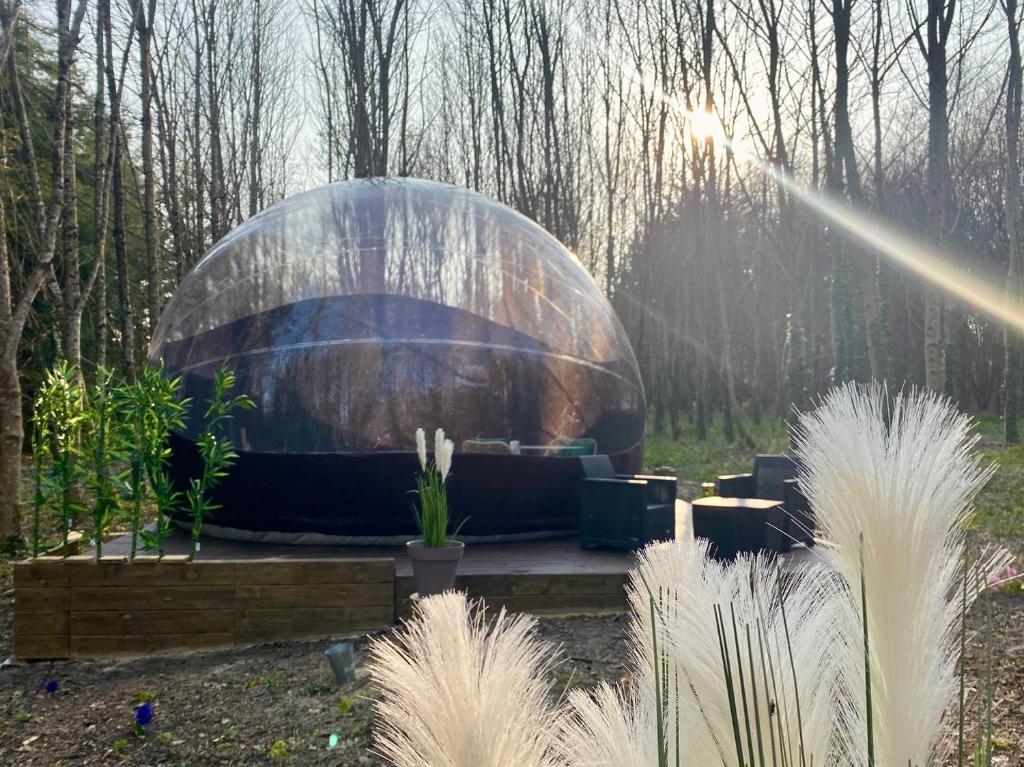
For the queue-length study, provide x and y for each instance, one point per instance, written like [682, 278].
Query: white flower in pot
[435, 555]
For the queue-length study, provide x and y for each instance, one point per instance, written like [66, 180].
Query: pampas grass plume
[892, 482]
[459, 690]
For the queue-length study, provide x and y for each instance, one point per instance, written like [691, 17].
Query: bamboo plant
[40, 444]
[62, 408]
[104, 442]
[215, 450]
[154, 408]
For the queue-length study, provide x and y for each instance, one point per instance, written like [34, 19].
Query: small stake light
[343, 662]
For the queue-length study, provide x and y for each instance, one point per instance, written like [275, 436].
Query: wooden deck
[239, 593]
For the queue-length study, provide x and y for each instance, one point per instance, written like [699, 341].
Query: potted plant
[435, 555]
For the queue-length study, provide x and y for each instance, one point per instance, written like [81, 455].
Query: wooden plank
[151, 622]
[49, 623]
[322, 595]
[313, 620]
[260, 572]
[159, 598]
[289, 635]
[134, 644]
[75, 540]
[44, 572]
[41, 647]
[40, 600]
[540, 604]
[560, 604]
[516, 585]
[150, 573]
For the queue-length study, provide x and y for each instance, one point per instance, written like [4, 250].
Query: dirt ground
[278, 703]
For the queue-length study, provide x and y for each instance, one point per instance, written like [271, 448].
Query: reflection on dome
[357, 312]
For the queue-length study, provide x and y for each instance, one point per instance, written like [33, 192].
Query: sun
[705, 126]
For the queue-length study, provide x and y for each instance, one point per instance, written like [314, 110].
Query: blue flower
[53, 686]
[143, 714]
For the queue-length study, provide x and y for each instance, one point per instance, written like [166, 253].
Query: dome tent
[353, 314]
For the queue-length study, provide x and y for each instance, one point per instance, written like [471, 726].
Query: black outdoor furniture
[764, 509]
[740, 524]
[624, 511]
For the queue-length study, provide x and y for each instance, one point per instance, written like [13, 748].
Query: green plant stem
[963, 653]
[432, 515]
[792, 671]
[136, 511]
[37, 505]
[867, 659]
[730, 687]
[743, 684]
[66, 501]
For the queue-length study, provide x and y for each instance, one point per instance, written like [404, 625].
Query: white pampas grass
[608, 728]
[444, 449]
[460, 691]
[443, 457]
[421, 448]
[898, 474]
[682, 638]
[891, 482]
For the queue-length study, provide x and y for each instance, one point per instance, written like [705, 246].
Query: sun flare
[705, 126]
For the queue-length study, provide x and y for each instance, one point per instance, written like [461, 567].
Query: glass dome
[359, 311]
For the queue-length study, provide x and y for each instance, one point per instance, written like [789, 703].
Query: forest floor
[278, 704]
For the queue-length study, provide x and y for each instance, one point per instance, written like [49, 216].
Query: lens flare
[923, 259]
[937, 266]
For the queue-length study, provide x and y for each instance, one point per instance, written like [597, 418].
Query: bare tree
[1013, 372]
[937, 24]
[15, 309]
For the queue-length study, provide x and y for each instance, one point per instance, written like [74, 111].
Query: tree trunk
[117, 178]
[937, 26]
[101, 197]
[1013, 369]
[11, 435]
[154, 288]
[72, 290]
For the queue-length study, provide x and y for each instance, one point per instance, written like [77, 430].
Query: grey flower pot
[434, 569]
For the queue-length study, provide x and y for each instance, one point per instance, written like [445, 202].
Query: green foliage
[153, 408]
[58, 416]
[40, 443]
[215, 449]
[696, 462]
[279, 750]
[115, 446]
[432, 514]
[104, 442]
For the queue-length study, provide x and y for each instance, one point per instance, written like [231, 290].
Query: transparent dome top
[356, 312]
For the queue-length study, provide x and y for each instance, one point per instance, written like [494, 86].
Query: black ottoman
[740, 524]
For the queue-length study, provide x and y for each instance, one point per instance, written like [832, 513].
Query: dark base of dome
[370, 495]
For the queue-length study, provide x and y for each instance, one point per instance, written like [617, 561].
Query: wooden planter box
[80, 608]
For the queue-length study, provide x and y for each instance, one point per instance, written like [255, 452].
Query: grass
[1000, 505]
[696, 462]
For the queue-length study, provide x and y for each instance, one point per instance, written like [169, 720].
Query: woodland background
[136, 133]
